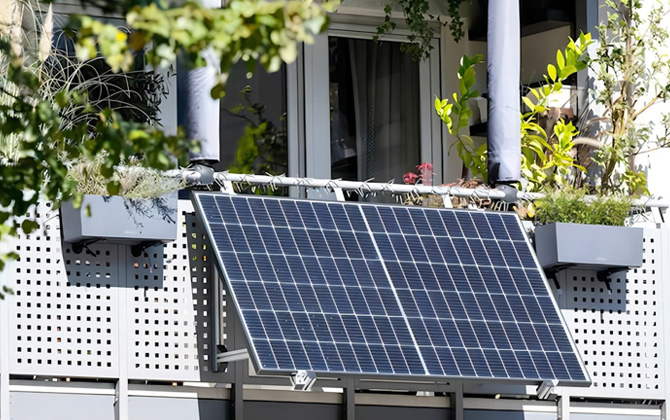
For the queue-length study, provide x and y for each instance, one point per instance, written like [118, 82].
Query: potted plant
[142, 211]
[576, 230]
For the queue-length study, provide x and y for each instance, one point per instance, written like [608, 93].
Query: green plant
[417, 18]
[573, 206]
[631, 68]
[547, 159]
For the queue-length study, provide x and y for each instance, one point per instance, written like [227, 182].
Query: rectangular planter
[118, 220]
[588, 246]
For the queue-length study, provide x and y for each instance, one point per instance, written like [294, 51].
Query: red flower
[410, 178]
[426, 166]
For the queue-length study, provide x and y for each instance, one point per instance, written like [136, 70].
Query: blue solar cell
[275, 212]
[355, 217]
[527, 365]
[292, 215]
[269, 320]
[495, 363]
[308, 298]
[475, 279]
[463, 251]
[325, 299]
[335, 244]
[512, 223]
[332, 357]
[304, 326]
[243, 212]
[313, 267]
[340, 218]
[364, 357]
[351, 245]
[220, 235]
[342, 287]
[510, 255]
[511, 364]
[463, 362]
[459, 278]
[404, 219]
[265, 354]
[466, 224]
[420, 222]
[325, 219]
[288, 326]
[309, 218]
[479, 363]
[315, 355]
[479, 252]
[471, 306]
[374, 301]
[436, 224]
[452, 225]
[381, 358]
[373, 218]
[349, 359]
[298, 353]
[261, 216]
[448, 362]
[499, 336]
[482, 225]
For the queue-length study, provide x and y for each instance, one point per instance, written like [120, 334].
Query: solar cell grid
[390, 290]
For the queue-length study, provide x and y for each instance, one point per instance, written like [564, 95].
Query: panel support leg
[457, 412]
[237, 391]
[349, 399]
[121, 389]
[563, 403]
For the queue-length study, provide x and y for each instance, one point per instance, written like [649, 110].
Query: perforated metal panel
[619, 332]
[169, 315]
[63, 317]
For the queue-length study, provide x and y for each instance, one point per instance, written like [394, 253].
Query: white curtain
[386, 108]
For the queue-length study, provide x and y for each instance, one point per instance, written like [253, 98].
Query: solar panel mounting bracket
[546, 388]
[232, 356]
[303, 380]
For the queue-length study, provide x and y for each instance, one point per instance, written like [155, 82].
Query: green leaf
[551, 70]
[560, 61]
[28, 226]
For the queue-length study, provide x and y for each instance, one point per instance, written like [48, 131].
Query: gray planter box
[117, 220]
[588, 246]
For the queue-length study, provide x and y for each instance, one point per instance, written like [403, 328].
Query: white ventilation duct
[504, 58]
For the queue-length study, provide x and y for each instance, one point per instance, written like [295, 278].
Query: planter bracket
[138, 250]
[78, 247]
[604, 276]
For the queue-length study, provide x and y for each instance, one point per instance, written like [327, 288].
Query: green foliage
[456, 115]
[573, 206]
[631, 69]
[417, 18]
[245, 30]
[547, 160]
[264, 147]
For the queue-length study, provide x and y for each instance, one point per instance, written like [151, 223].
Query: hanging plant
[418, 19]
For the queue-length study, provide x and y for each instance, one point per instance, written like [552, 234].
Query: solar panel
[348, 288]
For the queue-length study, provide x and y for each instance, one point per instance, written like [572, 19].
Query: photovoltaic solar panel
[367, 289]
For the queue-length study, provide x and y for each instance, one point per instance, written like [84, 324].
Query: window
[368, 107]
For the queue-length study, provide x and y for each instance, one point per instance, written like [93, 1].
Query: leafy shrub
[573, 206]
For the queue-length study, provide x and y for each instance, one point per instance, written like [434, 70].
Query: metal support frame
[121, 389]
[563, 406]
[457, 410]
[349, 400]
